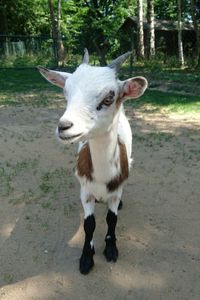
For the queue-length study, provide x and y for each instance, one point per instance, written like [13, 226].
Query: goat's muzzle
[64, 125]
[70, 138]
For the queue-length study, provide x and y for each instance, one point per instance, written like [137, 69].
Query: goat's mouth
[71, 139]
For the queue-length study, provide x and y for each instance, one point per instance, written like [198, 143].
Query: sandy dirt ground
[41, 218]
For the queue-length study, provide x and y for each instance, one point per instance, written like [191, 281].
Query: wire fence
[19, 51]
[29, 51]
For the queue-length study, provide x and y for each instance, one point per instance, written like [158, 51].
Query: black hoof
[86, 264]
[111, 252]
[120, 205]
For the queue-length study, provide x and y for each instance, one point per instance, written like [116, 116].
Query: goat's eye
[107, 101]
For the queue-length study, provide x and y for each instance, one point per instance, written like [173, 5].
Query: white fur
[102, 149]
[84, 90]
[95, 118]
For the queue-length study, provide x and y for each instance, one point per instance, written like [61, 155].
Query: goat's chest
[100, 167]
[104, 171]
[97, 189]
[103, 178]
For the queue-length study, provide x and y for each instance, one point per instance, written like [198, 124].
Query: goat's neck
[104, 149]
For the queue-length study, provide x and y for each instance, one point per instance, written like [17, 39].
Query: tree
[100, 22]
[151, 29]
[140, 32]
[56, 34]
[166, 10]
[24, 17]
[195, 8]
[180, 42]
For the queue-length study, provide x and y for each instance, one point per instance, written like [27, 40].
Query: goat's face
[91, 94]
[94, 96]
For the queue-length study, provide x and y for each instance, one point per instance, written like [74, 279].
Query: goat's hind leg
[111, 251]
[86, 260]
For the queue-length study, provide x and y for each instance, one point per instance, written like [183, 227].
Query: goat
[95, 118]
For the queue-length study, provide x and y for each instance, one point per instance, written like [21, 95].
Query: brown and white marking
[95, 118]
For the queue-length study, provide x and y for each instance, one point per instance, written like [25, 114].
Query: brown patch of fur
[84, 163]
[113, 184]
[118, 102]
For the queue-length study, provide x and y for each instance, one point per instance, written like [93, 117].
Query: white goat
[95, 118]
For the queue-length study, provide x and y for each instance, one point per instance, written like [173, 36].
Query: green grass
[10, 171]
[48, 180]
[157, 72]
[50, 186]
[168, 102]
[13, 81]
[178, 76]
[27, 87]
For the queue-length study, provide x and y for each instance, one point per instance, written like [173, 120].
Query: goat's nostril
[64, 125]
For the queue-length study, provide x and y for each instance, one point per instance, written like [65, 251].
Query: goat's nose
[64, 125]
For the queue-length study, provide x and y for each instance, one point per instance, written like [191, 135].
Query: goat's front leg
[111, 251]
[86, 260]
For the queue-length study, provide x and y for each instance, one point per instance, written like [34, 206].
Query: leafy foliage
[167, 10]
[25, 17]
[93, 24]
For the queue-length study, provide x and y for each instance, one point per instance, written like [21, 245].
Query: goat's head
[94, 96]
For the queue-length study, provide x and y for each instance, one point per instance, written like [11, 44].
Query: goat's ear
[55, 77]
[133, 87]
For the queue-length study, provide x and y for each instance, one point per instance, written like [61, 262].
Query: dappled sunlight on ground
[78, 237]
[6, 230]
[138, 279]
[172, 123]
[37, 287]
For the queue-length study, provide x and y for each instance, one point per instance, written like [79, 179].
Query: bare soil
[41, 233]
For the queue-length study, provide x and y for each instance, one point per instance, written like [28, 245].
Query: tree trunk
[55, 21]
[151, 28]
[197, 32]
[101, 53]
[54, 30]
[61, 50]
[140, 33]
[180, 41]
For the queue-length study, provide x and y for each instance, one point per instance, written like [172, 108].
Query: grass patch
[27, 87]
[167, 102]
[13, 81]
[8, 278]
[53, 182]
[153, 139]
[181, 76]
[159, 73]
[9, 173]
